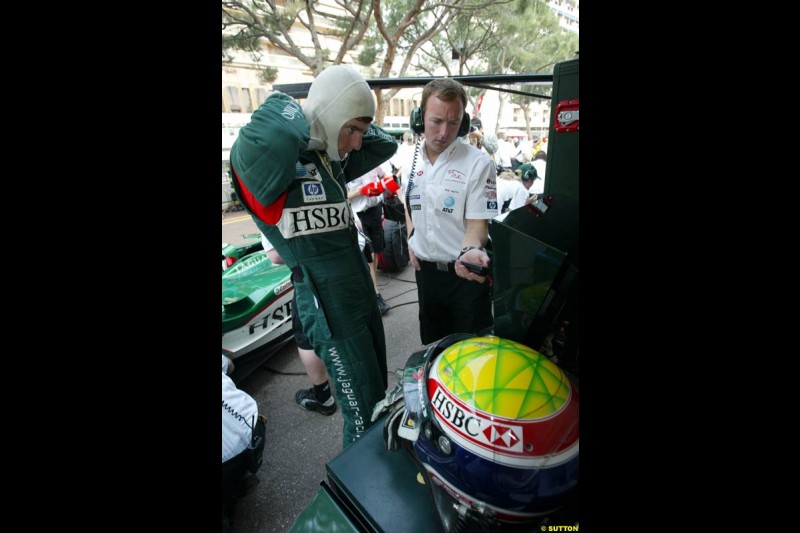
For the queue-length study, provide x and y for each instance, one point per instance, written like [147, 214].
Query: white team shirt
[505, 151]
[237, 407]
[361, 203]
[461, 185]
[524, 151]
[511, 190]
[538, 185]
[404, 153]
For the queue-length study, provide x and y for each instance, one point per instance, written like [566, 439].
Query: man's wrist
[466, 249]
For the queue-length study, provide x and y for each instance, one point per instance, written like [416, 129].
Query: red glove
[371, 189]
[374, 189]
[389, 184]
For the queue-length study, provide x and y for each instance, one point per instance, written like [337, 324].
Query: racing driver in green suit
[290, 167]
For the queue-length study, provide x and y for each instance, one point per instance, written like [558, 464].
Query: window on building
[248, 103]
[234, 98]
[261, 95]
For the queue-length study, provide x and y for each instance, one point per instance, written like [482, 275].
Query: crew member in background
[319, 396]
[242, 427]
[366, 197]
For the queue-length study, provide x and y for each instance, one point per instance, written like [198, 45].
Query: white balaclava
[337, 95]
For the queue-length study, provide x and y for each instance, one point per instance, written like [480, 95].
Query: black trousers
[372, 224]
[449, 304]
[234, 471]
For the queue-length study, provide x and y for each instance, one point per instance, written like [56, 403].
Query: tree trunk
[380, 109]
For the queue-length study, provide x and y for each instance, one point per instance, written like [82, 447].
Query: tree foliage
[523, 37]
[527, 39]
[407, 25]
[390, 36]
[245, 24]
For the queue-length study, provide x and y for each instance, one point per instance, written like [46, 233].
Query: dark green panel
[561, 176]
[323, 514]
[536, 256]
[380, 487]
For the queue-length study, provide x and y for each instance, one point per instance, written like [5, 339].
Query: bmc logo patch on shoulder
[313, 192]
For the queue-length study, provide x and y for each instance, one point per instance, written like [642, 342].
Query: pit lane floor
[300, 443]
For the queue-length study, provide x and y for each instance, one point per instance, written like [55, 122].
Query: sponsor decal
[456, 174]
[311, 170]
[414, 197]
[291, 110]
[344, 383]
[476, 427]
[279, 315]
[419, 173]
[491, 195]
[492, 205]
[313, 192]
[449, 202]
[309, 220]
[416, 207]
[283, 287]
[490, 181]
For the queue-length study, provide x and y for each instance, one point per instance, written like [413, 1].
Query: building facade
[243, 90]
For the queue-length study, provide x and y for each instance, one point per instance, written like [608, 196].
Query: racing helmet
[497, 432]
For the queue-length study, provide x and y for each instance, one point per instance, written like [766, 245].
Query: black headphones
[418, 122]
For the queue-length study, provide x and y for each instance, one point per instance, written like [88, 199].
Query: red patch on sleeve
[269, 214]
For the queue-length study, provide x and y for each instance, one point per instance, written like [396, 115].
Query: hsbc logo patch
[476, 428]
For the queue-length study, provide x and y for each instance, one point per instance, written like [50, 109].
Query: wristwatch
[468, 248]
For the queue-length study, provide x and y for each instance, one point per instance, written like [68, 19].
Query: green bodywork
[237, 251]
[248, 286]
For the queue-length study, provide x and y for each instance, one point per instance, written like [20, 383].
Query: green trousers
[337, 307]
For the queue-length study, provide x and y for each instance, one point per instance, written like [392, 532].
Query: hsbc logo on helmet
[502, 436]
[476, 428]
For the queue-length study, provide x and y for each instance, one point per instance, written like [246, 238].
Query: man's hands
[477, 257]
[413, 258]
[374, 189]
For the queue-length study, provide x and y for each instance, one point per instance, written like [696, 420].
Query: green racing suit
[298, 198]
